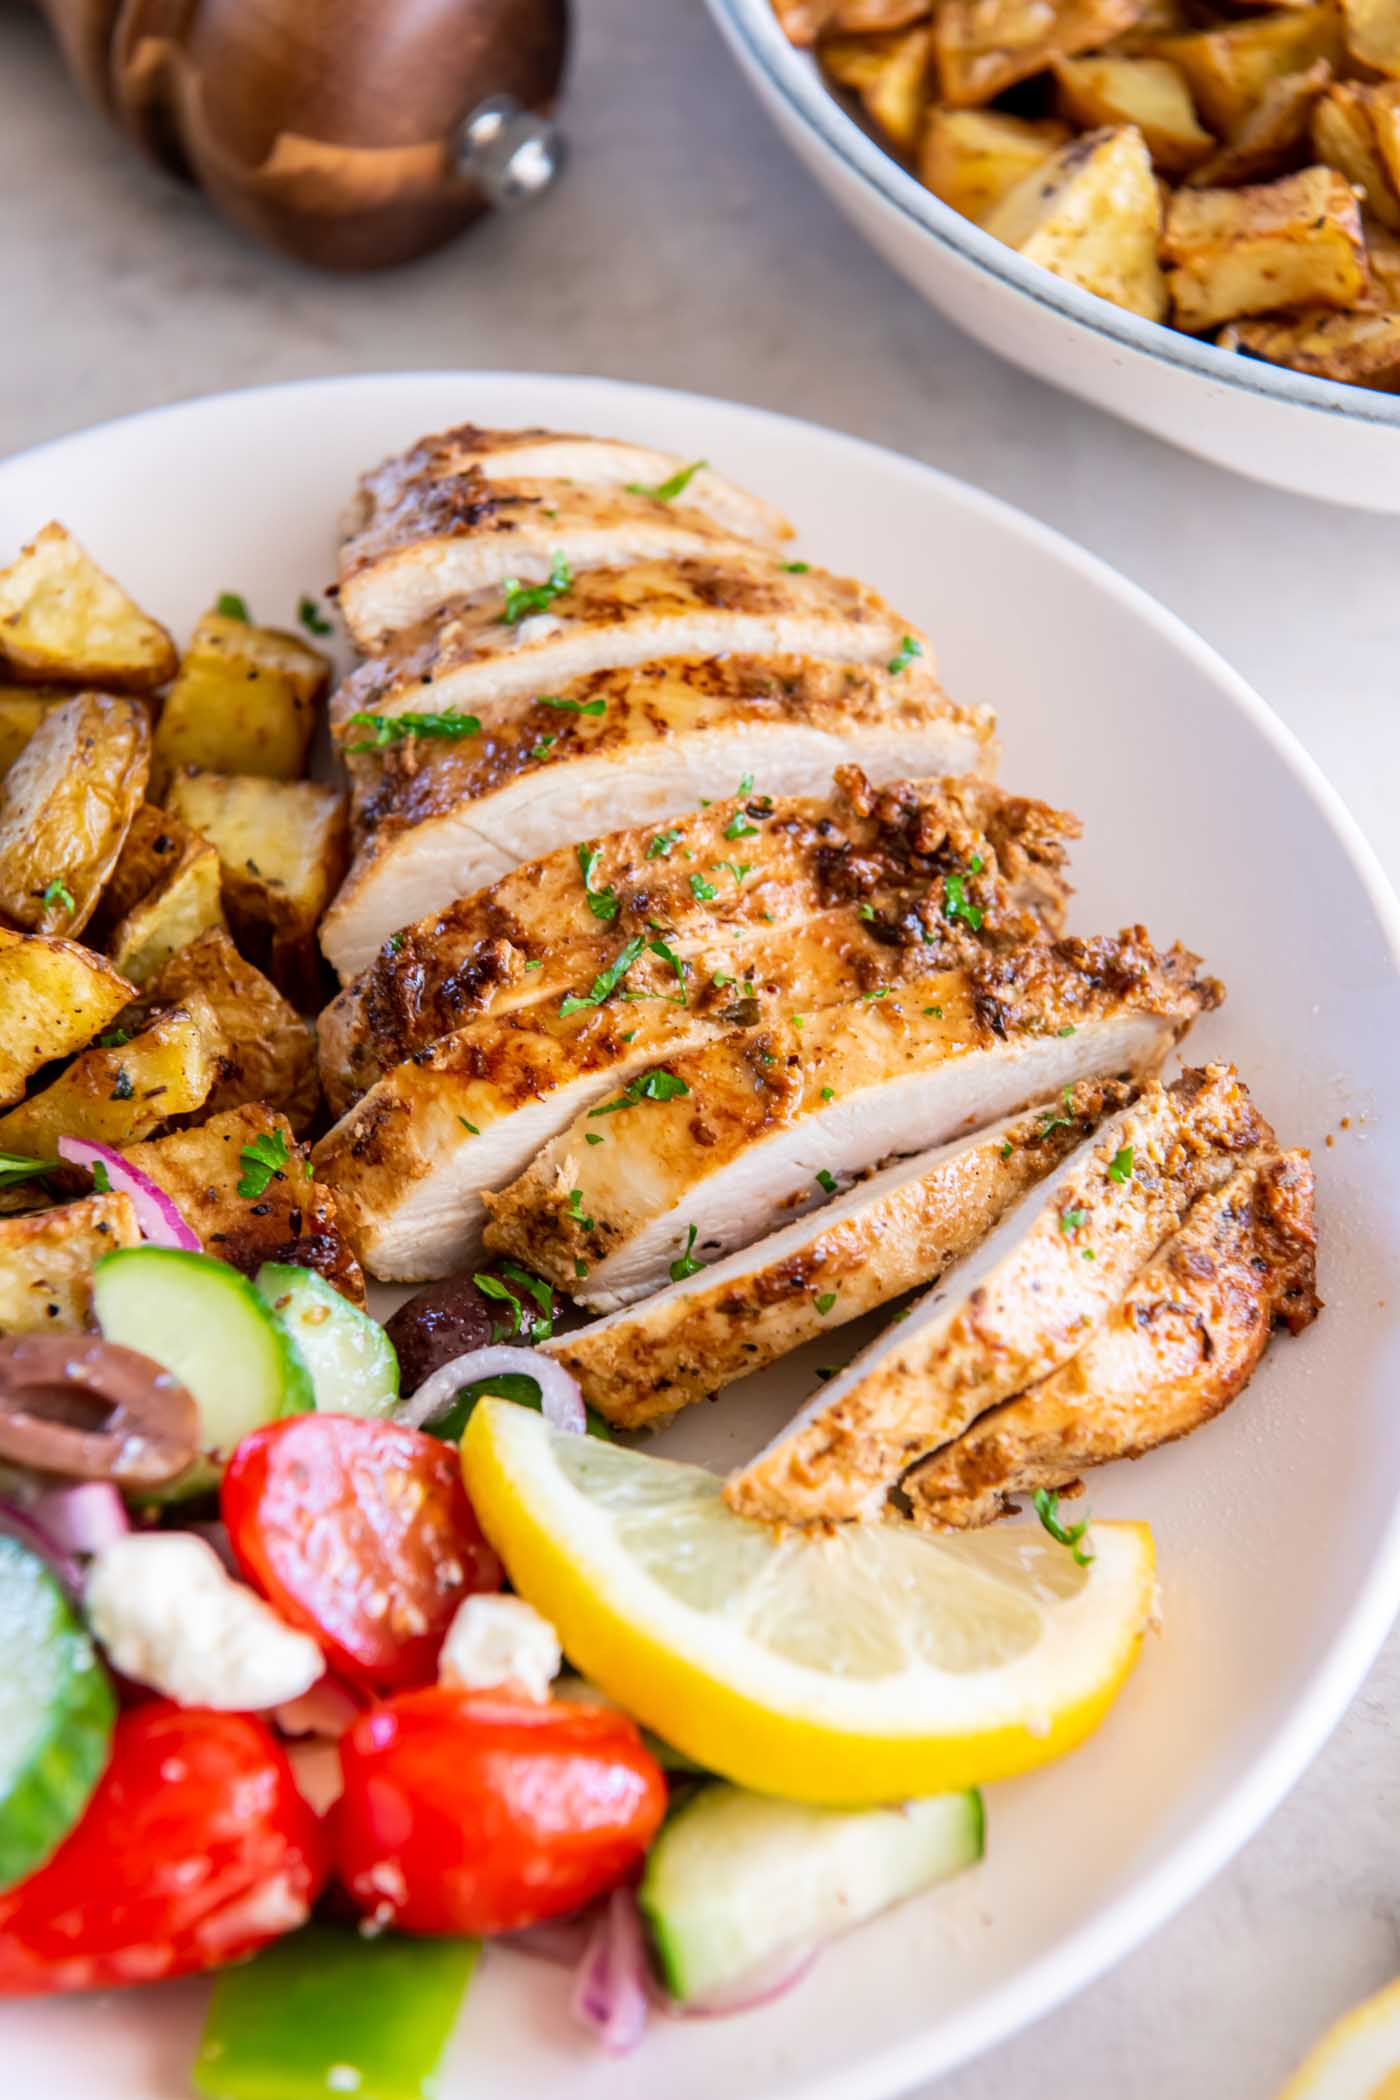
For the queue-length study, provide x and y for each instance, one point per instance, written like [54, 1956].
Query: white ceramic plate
[1309, 435]
[1277, 1527]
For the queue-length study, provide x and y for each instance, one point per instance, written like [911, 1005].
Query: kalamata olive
[92, 1410]
[447, 1319]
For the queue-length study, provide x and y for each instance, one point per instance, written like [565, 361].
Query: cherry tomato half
[360, 1533]
[195, 1849]
[475, 1812]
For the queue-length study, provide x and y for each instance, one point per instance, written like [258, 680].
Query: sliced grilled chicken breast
[745, 604]
[888, 1234]
[468, 1113]
[441, 820]
[731, 1139]
[877, 858]
[437, 524]
[1175, 1350]
[1023, 1305]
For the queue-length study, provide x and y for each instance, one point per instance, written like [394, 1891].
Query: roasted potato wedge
[1362, 349]
[802, 21]
[166, 890]
[66, 805]
[54, 997]
[271, 1055]
[63, 619]
[284, 1217]
[22, 709]
[972, 158]
[1092, 214]
[1227, 69]
[1158, 18]
[1148, 92]
[244, 701]
[891, 76]
[282, 845]
[118, 1092]
[1273, 137]
[1383, 256]
[1294, 242]
[1373, 34]
[47, 1257]
[1345, 138]
[982, 47]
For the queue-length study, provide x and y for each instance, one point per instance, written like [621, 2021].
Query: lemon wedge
[1358, 2059]
[867, 1664]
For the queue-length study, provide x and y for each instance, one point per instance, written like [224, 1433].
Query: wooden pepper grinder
[350, 133]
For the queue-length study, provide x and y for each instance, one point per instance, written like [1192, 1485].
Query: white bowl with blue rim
[1312, 436]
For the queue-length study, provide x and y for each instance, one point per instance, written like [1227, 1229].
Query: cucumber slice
[736, 1880]
[349, 1357]
[325, 2012]
[206, 1324]
[56, 1714]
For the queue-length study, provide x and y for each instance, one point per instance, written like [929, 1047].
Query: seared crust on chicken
[889, 1234]
[1176, 1350]
[874, 857]
[439, 819]
[462, 512]
[1022, 1307]
[731, 1139]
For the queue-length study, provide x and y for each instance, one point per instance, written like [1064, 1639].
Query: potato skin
[271, 1054]
[54, 997]
[121, 1093]
[165, 891]
[66, 806]
[1294, 242]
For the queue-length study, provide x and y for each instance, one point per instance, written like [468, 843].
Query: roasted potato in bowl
[66, 806]
[63, 619]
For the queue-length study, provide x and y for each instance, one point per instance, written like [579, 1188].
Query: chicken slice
[744, 604]
[876, 858]
[438, 820]
[463, 511]
[888, 1234]
[1176, 1349]
[410, 1161]
[730, 1140]
[1021, 1307]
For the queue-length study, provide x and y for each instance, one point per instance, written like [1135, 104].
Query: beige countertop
[686, 247]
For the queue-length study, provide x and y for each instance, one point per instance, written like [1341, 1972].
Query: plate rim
[1156, 1894]
[790, 73]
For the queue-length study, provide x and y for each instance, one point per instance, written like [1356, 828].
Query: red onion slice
[560, 1941]
[158, 1217]
[83, 1519]
[610, 1995]
[760, 1987]
[561, 1401]
[19, 1524]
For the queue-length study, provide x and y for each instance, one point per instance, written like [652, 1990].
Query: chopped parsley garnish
[904, 655]
[881, 992]
[976, 864]
[737, 868]
[58, 892]
[580, 1268]
[602, 903]
[796, 568]
[824, 1302]
[534, 964]
[867, 911]
[492, 1287]
[607, 981]
[828, 1093]
[647, 1086]
[659, 949]
[114, 1039]
[229, 606]
[685, 1264]
[17, 1166]
[394, 943]
[1120, 1167]
[576, 1210]
[1068, 1029]
[662, 844]
[739, 827]
[1006, 1149]
[593, 1137]
[745, 786]
[265, 1158]
[799, 1021]
[123, 1090]
[667, 491]
[523, 599]
[543, 1322]
[1047, 1507]
[393, 729]
[701, 890]
[1071, 1220]
[469, 1126]
[1049, 1120]
[936, 1011]
[827, 1180]
[571, 707]
[630, 1035]
[311, 616]
[101, 1179]
[957, 904]
[719, 980]
[543, 746]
